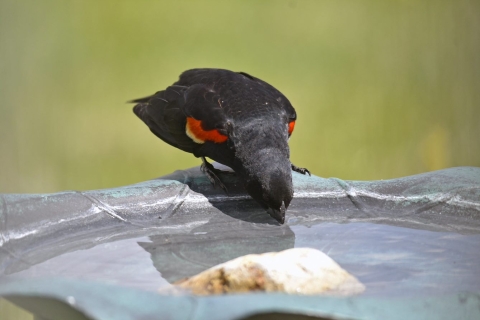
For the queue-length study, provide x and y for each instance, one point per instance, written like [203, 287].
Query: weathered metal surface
[415, 236]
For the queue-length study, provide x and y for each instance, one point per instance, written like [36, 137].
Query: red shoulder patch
[291, 125]
[195, 132]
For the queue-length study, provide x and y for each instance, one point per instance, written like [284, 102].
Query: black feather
[250, 112]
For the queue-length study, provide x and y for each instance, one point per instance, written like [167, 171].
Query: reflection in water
[177, 256]
[389, 260]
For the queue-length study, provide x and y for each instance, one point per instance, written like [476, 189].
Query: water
[389, 260]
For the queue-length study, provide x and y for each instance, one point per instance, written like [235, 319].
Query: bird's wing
[163, 114]
[184, 117]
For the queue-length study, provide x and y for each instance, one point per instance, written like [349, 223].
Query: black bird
[235, 119]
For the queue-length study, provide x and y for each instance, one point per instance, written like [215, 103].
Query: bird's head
[262, 156]
[268, 179]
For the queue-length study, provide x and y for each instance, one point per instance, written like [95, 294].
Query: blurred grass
[382, 88]
[9, 311]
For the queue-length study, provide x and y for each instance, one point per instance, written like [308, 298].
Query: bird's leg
[300, 170]
[210, 171]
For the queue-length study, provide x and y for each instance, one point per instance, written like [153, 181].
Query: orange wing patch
[195, 132]
[291, 125]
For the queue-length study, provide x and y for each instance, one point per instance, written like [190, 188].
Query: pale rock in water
[294, 271]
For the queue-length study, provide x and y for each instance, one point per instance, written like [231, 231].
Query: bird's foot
[300, 170]
[211, 174]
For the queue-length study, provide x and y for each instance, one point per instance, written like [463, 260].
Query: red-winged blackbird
[235, 119]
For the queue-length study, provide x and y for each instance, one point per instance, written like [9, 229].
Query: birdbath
[413, 242]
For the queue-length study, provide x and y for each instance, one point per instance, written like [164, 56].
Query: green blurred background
[382, 89]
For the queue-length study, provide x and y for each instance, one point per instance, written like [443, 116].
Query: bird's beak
[278, 214]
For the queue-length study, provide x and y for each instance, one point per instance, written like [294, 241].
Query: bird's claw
[209, 170]
[300, 170]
